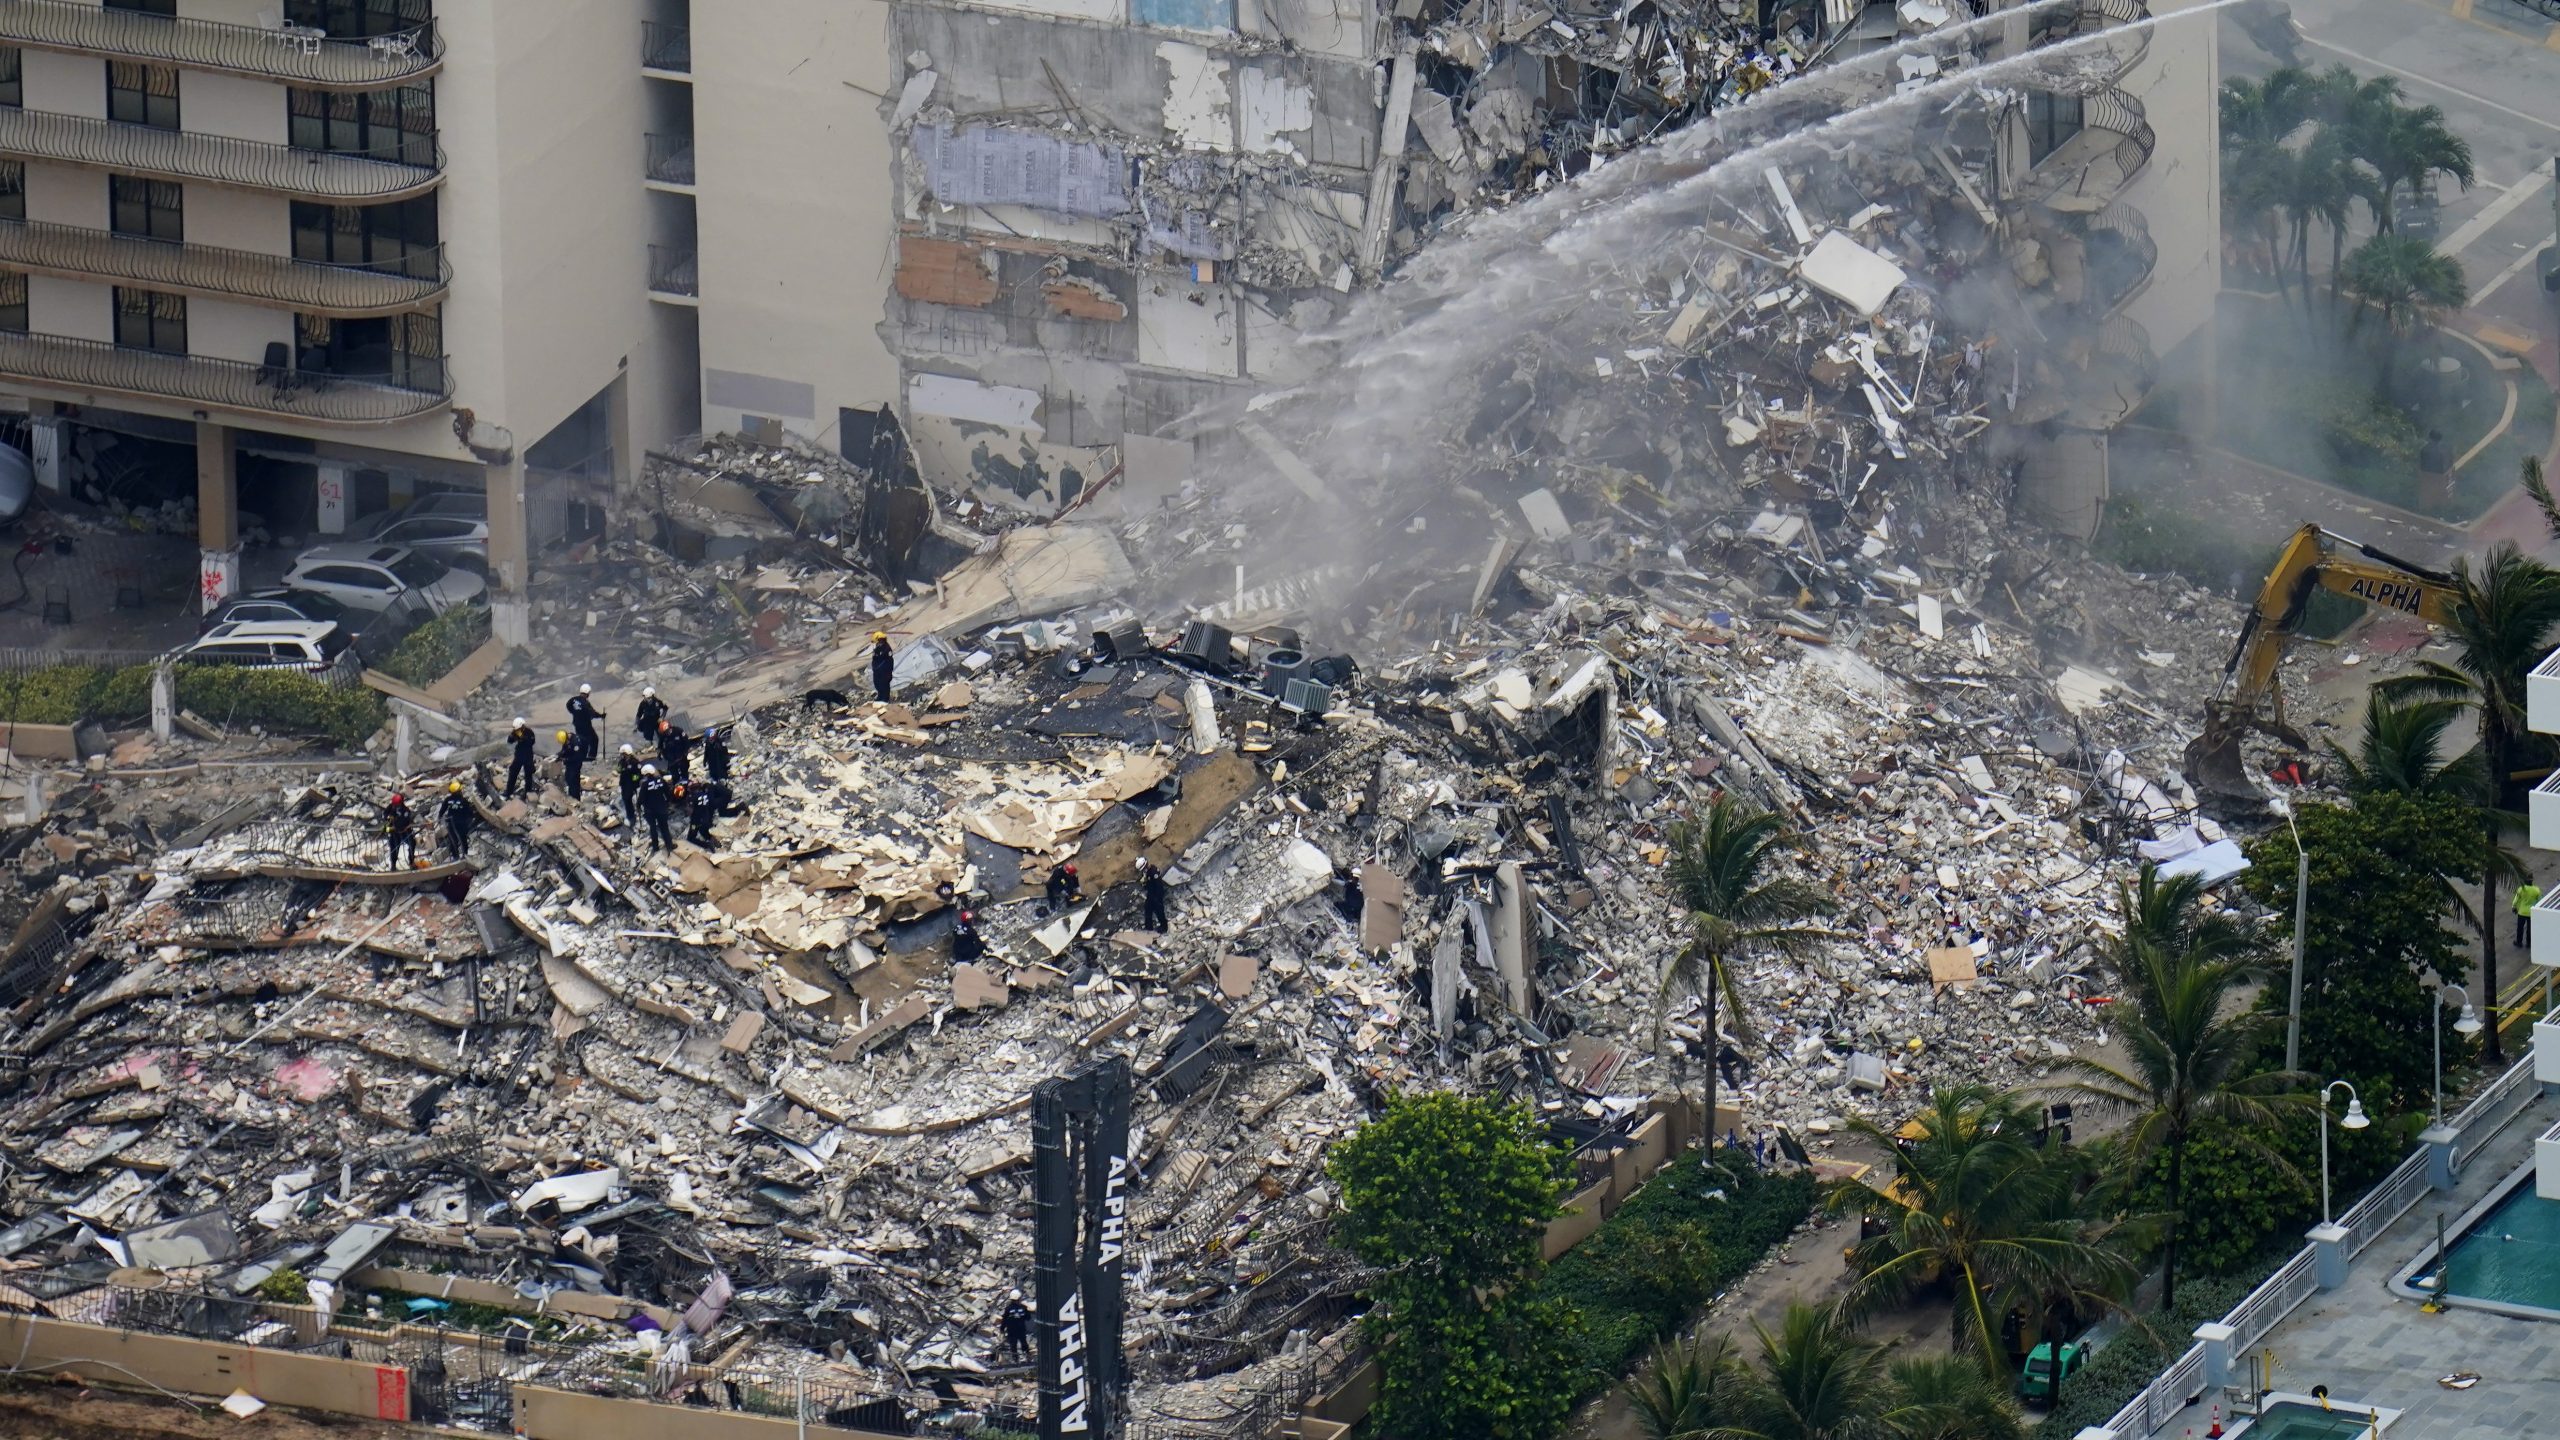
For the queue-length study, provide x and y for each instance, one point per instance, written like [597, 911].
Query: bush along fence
[112, 688]
[433, 649]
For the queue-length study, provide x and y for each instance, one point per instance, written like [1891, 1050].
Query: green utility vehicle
[2048, 1365]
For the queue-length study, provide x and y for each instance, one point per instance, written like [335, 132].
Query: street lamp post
[2301, 909]
[2354, 1119]
[2467, 1024]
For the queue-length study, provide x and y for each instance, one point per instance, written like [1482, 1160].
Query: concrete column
[1512, 948]
[45, 444]
[2329, 1244]
[334, 478]
[164, 702]
[217, 513]
[2216, 1338]
[32, 802]
[2440, 1141]
[510, 563]
[404, 741]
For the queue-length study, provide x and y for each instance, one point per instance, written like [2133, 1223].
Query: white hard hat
[648, 769]
[626, 749]
[520, 721]
[648, 689]
[586, 689]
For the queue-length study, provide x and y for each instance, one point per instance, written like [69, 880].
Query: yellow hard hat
[564, 736]
[454, 786]
[879, 634]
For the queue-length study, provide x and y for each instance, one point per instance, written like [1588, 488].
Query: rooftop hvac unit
[1282, 666]
[1116, 643]
[1207, 644]
[1306, 697]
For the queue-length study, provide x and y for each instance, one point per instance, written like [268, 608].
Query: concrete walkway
[2371, 1347]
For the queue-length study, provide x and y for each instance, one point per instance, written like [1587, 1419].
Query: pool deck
[2371, 1347]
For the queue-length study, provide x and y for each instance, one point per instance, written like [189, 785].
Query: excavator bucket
[2213, 761]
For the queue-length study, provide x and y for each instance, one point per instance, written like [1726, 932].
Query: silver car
[378, 577]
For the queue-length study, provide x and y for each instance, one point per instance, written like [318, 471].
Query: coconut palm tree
[1687, 1390]
[2402, 749]
[2168, 912]
[2411, 145]
[2267, 111]
[2405, 280]
[2505, 612]
[1940, 1398]
[2312, 184]
[1816, 1378]
[1721, 872]
[2189, 1039]
[2253, 178]
[1978, 1201]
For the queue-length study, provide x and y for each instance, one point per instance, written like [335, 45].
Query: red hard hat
[968, 918]
[1069, 867]
[399, 799]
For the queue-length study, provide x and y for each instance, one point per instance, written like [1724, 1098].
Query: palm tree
[2312, 185]
[1948, 1399]
[2189, 1038]
[2411, 146]
[2268, 111]
[2167, 912]
[2405, 279]
[2504, 613]
[1687, 1390]
[2253, 179]
[1736, 909]
[2403, 750]
[1978, 1202]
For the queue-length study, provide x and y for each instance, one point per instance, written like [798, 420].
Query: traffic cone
[2215, 1431]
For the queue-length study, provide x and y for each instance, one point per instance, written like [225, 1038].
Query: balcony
[666, 49]
[300, 57]
[94, 368]
[670, 161]
[214, 159]
[2546, 930]
[2542, 698]
[674, 274]
[2543, 814]
[2086, 172]
[279, 281]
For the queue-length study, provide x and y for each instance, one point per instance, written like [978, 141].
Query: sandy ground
[66, 1410]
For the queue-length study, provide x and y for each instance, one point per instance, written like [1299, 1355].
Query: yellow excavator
[2249, 698]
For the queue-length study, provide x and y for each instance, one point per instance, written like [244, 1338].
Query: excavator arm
[2248, 698]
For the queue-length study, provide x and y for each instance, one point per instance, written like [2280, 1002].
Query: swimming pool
[2504, 1256]
[2302, 1418]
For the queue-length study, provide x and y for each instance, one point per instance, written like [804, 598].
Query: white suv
[269, 645]
[376, 577]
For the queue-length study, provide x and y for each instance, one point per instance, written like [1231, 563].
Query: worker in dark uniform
[967, 945]
[1064, 888]
[1353, 902]
[651, 710]
[583, 716]
[521, 767]
[1017, 1328]
[572, 758]
[675, 750]
[884, 664]
[401, 829]
[702, 800]
[1151, 881]
[715, 752]
[629, 765]
[655, 798]
[458, 818]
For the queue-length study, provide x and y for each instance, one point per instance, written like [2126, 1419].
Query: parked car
[443, 504]
[369, 633]
[379, 577]
[269, 645]
[2048, 1365]
[449, 538]
[17, 482]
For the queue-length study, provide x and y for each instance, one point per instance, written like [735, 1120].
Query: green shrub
[2361, 427]
[291, 701]
[433, 649]
[286, 1287]
[2165, 540]
[2147, 1346]
[1689, 1232]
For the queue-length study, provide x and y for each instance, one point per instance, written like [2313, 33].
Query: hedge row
[2149, 1345]
[1691, 1231]
[433, 649]
[289, 701]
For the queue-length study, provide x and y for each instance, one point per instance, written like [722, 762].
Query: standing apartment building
[343, 249]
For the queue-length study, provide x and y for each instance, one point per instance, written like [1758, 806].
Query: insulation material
[1186, 327]
[945, 272]
[981, 165]
[1274, 107]
[1007, 405]
[1199, 97]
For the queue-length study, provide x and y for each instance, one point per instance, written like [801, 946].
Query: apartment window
[147, 209]
[142, 94]
[356, 19]
[13, 189]
[13, 302]
[13, 77]
[403, 350]
[145, 7]
[2051, 119]
[385, 124]
[151, 320]
[399, 237]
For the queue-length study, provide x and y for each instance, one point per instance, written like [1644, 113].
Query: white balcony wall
[2542, 696]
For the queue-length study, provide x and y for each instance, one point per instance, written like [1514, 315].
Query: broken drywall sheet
[982, 165]
[1008, 405]
[1851, 273]
[1273, 107]
[1199, 97]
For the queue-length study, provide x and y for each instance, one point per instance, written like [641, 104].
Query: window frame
[13, 77]
[148, 208]
[160, 312]
[13, 189]
[359, 19]
[13, 302]
[401, 237]
[142, 94]
[397, 124]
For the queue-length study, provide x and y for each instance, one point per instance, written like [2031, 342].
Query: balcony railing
[80, 253]
[674, 271]
[671, 159]
[666, 47]
[301, 57]
[217, 159]
[2542, 698]
[98, 368]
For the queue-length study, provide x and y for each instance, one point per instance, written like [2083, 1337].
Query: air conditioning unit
[1306, 697]
[1117, 643]
[1207, 644]
[1282, 666]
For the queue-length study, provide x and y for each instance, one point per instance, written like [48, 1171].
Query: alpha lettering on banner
[1079, 1392]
